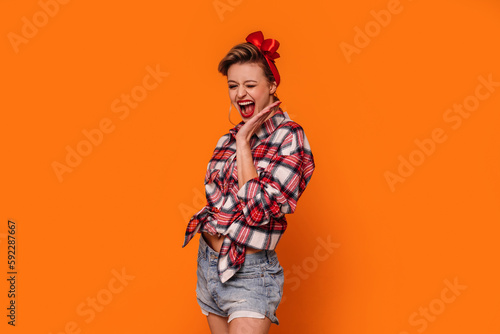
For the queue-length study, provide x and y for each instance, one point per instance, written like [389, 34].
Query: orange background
[125, 206]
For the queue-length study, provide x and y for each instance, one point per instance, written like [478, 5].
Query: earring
[229, 116]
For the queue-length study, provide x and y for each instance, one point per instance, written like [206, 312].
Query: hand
[253, 124]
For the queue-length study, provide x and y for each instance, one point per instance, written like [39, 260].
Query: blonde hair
[246, 53]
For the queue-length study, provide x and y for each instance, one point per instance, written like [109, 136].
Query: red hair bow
[268, 47]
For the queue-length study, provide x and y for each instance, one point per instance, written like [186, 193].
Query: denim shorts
[253, 291]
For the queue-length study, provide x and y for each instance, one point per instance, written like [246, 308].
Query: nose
[241, 92]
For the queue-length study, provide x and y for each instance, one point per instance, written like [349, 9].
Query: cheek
[261, 96]
[232, 95]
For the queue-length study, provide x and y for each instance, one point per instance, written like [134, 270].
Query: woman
[257, 172]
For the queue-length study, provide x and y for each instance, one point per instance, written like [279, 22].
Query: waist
[215, 243]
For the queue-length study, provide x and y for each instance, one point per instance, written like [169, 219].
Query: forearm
[244, 159]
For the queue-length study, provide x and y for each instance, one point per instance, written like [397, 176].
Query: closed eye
[234, 86]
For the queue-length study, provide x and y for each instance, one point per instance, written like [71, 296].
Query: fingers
[274, 104]
[253, 124]
[263, 113]
[270, 107]
[258, 119]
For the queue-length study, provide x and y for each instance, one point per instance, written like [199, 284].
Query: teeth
[245, 103]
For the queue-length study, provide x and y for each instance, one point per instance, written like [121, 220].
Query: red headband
[268, 47]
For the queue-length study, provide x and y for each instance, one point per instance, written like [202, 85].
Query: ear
[272, 88]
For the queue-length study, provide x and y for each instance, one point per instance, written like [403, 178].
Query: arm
[244, 160]
[276, 189]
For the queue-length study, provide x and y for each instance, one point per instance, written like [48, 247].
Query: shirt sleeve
[276, 190]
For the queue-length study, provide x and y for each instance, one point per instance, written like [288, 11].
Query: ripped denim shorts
[253, 291]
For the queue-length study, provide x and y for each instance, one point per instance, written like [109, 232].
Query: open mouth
[247, 108]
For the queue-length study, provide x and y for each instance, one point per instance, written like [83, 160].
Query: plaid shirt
[254, 215]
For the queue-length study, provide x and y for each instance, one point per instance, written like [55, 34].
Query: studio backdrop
[110, 112]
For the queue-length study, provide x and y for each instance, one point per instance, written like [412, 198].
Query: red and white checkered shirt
[254, 215]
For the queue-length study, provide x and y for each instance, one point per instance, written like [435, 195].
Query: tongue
[248, 110]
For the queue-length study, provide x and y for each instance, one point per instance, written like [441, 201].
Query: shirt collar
[266, 128]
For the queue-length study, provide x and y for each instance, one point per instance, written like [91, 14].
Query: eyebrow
[236, 82]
